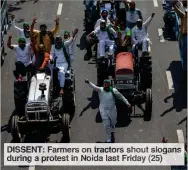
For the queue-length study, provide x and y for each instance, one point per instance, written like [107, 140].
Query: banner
[93, 154]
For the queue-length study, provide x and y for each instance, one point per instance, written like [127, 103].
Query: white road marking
[160, 31]
[180, 136]
[155, 3]
[59, 10]
[169, 79]
[32, 168]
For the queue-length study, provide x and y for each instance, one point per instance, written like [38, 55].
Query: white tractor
[40, 108]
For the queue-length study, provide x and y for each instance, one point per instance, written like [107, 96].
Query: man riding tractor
[140, 39]
[59, 50]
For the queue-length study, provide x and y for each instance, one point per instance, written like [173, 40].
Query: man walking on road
[107, 107]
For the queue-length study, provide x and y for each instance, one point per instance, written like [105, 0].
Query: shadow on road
[83, 42]
[93, 103]
[179, 95]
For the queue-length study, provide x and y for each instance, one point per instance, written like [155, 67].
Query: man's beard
[107, 89]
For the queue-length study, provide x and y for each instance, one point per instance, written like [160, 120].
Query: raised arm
[55, 30]
[9, 45]
[121, 97]
[72, 39]
[148, 21]
[113, 32]
[93, 86]
[19, 30]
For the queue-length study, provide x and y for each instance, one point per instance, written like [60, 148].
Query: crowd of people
[37, 49]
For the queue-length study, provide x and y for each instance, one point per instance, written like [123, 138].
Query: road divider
[59, 10]
[161, 38]
[169, 79]
[155, 3]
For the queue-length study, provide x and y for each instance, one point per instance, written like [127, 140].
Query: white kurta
[141, 35]
[61, 62]
[107, 108]
[104, 40]
[23, 55]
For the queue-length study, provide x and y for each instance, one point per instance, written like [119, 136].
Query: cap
[107, 81]
[21, 40]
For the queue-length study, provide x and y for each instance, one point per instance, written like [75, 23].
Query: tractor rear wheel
[148, 105]
[66, 128]
[15, 129]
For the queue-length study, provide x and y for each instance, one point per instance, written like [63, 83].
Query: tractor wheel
[15, 129]
[148, 105]
[66, 128]
[20, 95]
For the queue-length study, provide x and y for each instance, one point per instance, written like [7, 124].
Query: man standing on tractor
[22, 52]
[106, 35]
[22, 33]
[71, 47]
[104, 16]
[107, 108]
[132, 15]
[44, 36]
[63, 63]
[140, 35]
[124, 36]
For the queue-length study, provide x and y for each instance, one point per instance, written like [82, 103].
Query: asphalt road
[167, 114]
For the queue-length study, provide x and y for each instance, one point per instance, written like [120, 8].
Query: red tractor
[131, 83]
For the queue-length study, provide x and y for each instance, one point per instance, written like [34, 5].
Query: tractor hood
[34, 92]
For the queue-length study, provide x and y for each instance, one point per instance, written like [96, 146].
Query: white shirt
[99, 21]
[103, 35]
[132, 17]
[139, 34]
[59, 52]
[24, 55]
[21, 33]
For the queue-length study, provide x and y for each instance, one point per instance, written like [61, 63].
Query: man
[44, 36]
[132, 15]
[107, 106]
[140, 36]
[71, 47]
[104, 16]
[124, 35]
[59, 50]
[106, 35]
[22, 52]
[183, 35]
[22, 33]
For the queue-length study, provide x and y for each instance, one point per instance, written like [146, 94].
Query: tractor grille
[37, 111]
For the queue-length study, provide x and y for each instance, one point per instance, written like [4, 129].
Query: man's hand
[75, 31]
[34, 20]
[57, 20]
[13, 17]
[87, 81]
[41, 69]
[152, 15]
[10, 36]
[128, 105]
